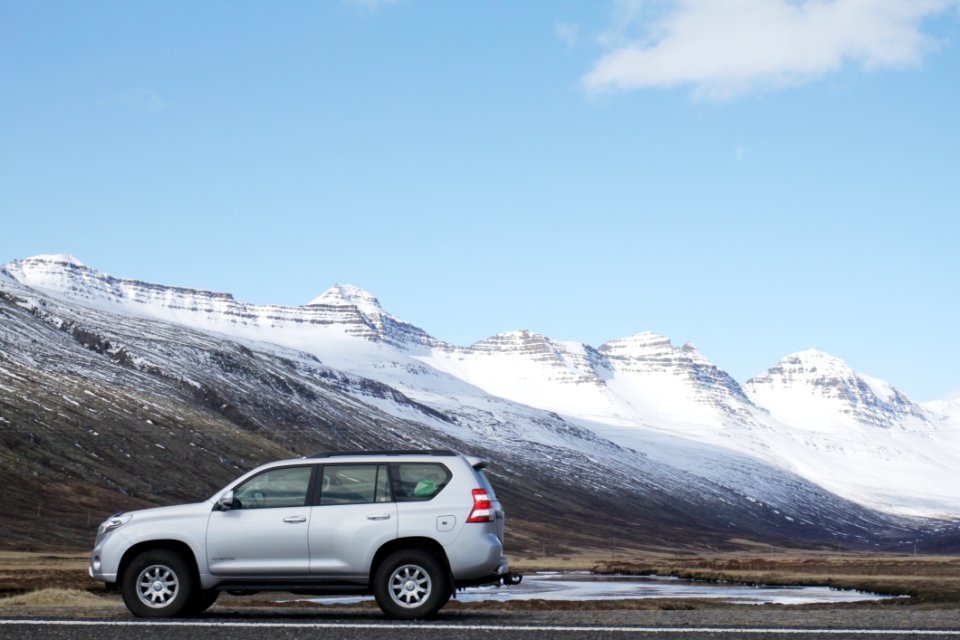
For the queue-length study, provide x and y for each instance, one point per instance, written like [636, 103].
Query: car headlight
[112, 523]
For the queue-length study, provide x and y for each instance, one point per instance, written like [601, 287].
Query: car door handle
[379, 516]
[295, 519]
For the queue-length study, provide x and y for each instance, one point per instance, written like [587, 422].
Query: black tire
[203, 599]
[411, 584]
[158, 583]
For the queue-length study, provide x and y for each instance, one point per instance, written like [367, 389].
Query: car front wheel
[158, 583]
[411, 584]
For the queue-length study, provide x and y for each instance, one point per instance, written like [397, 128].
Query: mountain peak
[511, 340]
[520, 334]
[811, 387]
[347, 295]
[55, 258]
[52, 272]
[648, 344]
[812, 354]
[642, 344]
[816, 361]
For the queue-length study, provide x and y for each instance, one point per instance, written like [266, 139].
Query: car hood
[194, 508]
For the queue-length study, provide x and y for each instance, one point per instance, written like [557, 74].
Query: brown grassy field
[22, 571]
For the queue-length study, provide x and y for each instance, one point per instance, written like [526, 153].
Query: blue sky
[769, 178]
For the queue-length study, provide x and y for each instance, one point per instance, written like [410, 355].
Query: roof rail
[390, 452]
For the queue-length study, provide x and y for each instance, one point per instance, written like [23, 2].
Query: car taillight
[482, 508]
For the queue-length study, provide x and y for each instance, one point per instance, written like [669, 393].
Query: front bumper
[105, 558]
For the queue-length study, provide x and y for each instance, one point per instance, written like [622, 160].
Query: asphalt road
[753, 623]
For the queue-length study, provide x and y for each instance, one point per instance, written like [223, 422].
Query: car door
[354, 516]
[265, 531]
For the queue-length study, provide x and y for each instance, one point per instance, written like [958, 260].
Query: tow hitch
[511, 579]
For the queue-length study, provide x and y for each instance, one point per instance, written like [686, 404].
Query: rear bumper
[476, 554]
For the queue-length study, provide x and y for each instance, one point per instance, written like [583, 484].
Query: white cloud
[724, 48]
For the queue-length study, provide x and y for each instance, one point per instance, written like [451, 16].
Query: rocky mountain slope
[111, 388]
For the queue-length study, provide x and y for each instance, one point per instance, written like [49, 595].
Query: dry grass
[54, 597]
[21, 571]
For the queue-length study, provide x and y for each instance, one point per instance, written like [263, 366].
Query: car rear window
[354, 484]
[417, 481]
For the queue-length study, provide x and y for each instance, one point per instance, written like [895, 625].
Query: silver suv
[410, 527]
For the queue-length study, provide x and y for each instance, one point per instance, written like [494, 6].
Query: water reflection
[586, 586]
[579, 586]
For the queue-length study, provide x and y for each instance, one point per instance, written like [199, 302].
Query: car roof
[408, 455]
[387, 452]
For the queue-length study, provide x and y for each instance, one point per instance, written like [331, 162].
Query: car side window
[354, 484]
[415, 481]
[283, 487]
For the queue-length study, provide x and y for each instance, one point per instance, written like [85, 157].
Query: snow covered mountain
[811, 414]
[811, 388]
[347, 310]
[796, 447]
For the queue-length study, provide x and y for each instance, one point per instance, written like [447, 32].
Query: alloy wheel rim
[157, 586]
[410, 585]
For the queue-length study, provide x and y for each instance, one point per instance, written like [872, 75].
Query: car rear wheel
[411, 584]
[158, 583]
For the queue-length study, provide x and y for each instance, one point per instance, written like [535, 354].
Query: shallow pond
[587, 586]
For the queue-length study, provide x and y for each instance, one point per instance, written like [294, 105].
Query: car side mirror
[225, 503]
